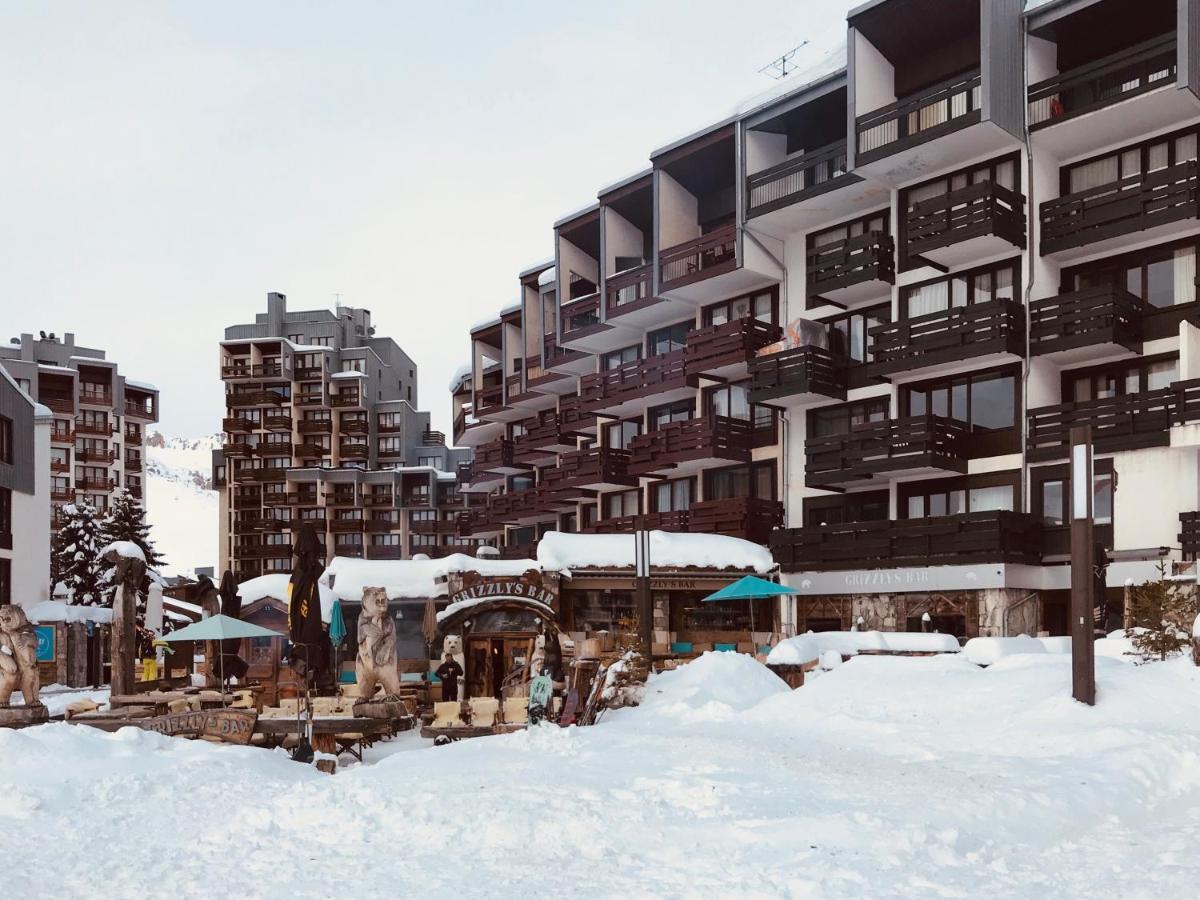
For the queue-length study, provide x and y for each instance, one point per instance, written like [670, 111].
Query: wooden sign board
[233, 726]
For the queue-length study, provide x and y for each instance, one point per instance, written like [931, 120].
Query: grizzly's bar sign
[522, 589]
[233, 726]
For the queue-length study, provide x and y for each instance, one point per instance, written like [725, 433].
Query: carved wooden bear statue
[376, 662]
[20, 670]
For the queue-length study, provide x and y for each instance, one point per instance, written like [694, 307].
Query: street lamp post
[1083, 576]
[641, 582]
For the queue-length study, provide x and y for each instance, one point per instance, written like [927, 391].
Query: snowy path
[887, 777]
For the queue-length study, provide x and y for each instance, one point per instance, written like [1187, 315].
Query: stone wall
[986, 613]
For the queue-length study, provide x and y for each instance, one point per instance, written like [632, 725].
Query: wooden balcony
[62, 436]
[341, 498]
[270, 475]
[976, 538]
[277, 422]
[276, 498]
[749, 518]
[236, 449]
[62, 405]
[60, 466]
[372, 498]
[580, 317]
[310, 450]
[247, 501]
[380, 526]
[1126, 422]
[1131, 205]
[559, 359]
[141, 409]
[851, 270]
[703, 257]
[245, 476]
[917, 118]
[948, 336]
[519, 551]
[242, 399]
[135, 490]
[545, 436]
[664, 521]
[384, 551]
[133, 436]
[725, 351]
[95, 484]
[62, 494]
[345, 399]
[307, 399]
[597, 468]
[273, 448]
[354, 451]
[308, 497]
[629, 290]
[308, 373]
[951, 229]
[98, 429]
[437, 526]
[90, 455]
[95, 398]
[497, 456]
[270, 523]
[914, 445]
[319, 426]
[1088, 324]
[237, 370]
[796, 179]
[346, 526]
[133, 464]
[233, 425]
[692, 444]
[1189, 534]
[355, 426]
[1135, 70]
[798, 376]
[617, 391]
[480, 520]
[351, 550]
[431, 438]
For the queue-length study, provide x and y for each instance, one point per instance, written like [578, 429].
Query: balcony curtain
[1184, 271]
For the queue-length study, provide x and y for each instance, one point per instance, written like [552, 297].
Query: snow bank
[50, 611]
[795, 651]
[276, 585]
[411, 578]
[712, 687]
[547, 277]
[1060, 644]
[984, 651]
[806, 648]
[561, 551]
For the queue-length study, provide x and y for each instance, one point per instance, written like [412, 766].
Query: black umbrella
[231, 605]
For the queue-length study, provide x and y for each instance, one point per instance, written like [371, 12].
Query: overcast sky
[165, 165]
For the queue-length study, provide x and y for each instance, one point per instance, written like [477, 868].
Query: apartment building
[24, 496]
[321, 427]
[99, 418]
[858, 319]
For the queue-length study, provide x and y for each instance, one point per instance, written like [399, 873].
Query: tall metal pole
[641, 585]
[1083, 581]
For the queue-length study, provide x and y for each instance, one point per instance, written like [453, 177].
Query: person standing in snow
[449, 671]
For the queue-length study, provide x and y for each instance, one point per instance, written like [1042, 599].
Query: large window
[955, 496]
[672, 412]
[840, 419]
[672, 496]
[614, 359]
[852, 229]
[848, 332]
[984, 400]
[1003, 172]
[1147, 157]
[6, 440]
[867, 506]
[668, 339]
[762, 306]
[754, 480]
[1118, 379]
[997, 282]
[622, 503]
[1159, 276]
[617, 435]
[1050, 499]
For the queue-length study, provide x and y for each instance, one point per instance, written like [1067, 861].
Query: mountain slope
[181, 506]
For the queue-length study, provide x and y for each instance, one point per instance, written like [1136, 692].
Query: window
[754, 480]
[520, 483]
[391, 446]
[568, 523]
[832, 420]
[622, 503]
[1119, 379]
[668, 339]
[877, 222]
[1150, 156]
[617, 358]
[321, 341]
[868, 506]
[672, 412]
[956, 496]
[672, 496]
[997, 282]
[1052, 494]
[6, 440]
[1003, 172]
[296, 338]
[354, 365]
[985, 400]
[5, 581]
[432, 461]
[761, 306]
[1159, 276]
[848, 332]
[6, 511]
[618, 435]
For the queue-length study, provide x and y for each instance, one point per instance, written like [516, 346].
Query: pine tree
[1161, 613]
[76, 555]
[126, 521]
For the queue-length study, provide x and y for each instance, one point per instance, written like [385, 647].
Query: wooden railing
[431, 438]
[1127, 73]
[983, 208]
[797, 371]
[578, 315]
[346, 525]
[354, 451]
[949, 335]
[639, 378]
[596, 465]
[998, 536]
[385, 551]
[544, 430]
[496, 453]
[1105, 314]
[347, 398]
[95, 484]
[731, 343]
[795, 179]
[277, 422]
[311, 449]
[102, 429]
[710, 437]
[277, 498]
[914, 443]
[627, 287]
[319, 426]
[133, 436]
[253, 398]
[701, 257]
[933, 111]
[62, 436]
[95, 397]
[1125, 422]
[273, 448]
[91, 455]
[64, 405]
[1121, 207]
[133, 464]
[749, 518]
[141, 409]
[660, 521]
[845, 263]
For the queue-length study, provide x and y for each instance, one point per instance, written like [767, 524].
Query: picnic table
[349, 733]
[159, 701]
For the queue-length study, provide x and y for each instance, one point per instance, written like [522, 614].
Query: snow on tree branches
[76, 555]
[1162, 613]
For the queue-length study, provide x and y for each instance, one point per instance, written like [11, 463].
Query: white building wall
[30, 553]
[1153, 487]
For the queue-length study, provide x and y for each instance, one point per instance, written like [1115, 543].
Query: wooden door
[478, 668]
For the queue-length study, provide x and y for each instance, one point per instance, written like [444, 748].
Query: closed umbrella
[429, 625]
[304, 600]
[231, 606]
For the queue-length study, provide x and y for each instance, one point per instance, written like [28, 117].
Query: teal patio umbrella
[750, 587]
[221, 628]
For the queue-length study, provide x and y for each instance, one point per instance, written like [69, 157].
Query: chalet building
[99, 418]
[24, 496]
[857, 320]
[321, 426]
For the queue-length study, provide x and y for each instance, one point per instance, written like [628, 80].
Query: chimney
[276, 313]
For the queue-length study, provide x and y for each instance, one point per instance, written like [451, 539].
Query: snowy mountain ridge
[181, 505]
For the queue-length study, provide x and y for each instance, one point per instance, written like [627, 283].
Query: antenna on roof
[781, 66]
[337, 301]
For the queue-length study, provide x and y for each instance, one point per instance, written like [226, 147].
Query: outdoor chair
[446, 715]
[516, 710]
[484, 711]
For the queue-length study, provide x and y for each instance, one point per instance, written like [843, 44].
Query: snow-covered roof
[622, 182]
[412, 578]
[542, 264]
[92, 360]
[511, 308]
[558, 550]
[127, 549]
[140, 385]
[295, 348]
[486, 323]
[348, 375]
[276, 585]
[461, 373]
[66, 370]
[49, 611]
[576, 213]
[548, 277]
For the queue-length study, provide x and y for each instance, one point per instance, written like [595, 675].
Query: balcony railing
[707, 438]
[133, 464]
[660, 521]
[593, 468]
[797, 179]
[59, 465]
[950, 335]
[277, 422]
[64, 405]
[95, 484]
[1189, 534]
[354, 426]
[351, 398]
[1126, 422]
[307, 373]
[860, 260]
[431, 438]
[798, 372]
[310, 450]
[62, 494]
[732, 343]
[1127, 73]
[253, 398]
[377, 498]
[307, 399]
[236, 448]
[998, 536]
[133, 436]
[274, 448]
[917, 443]
[233, 425]
[320, 426]
[101, 429]
[384, 551]
[749, 518]
[633, 380]
[92, 455]
[627, 288]
[62, 436]
[495, 454]
[271, 474]
[380, 526]
[978, 210]
[280, 498]
[340, 498]
[95, 398]
[436, 526]
[543, 432]
[579, 315]
[1129, 205]
[710, 254]
[139, 409]
[938, 110]
[346, 526]
[1094, 316]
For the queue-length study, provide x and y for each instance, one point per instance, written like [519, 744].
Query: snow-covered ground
[181, 506]
[887, 777]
